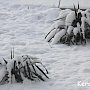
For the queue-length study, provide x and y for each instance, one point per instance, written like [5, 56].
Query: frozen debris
[74, 25]
[23, 67]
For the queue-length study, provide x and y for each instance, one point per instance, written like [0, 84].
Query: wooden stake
[59, 3]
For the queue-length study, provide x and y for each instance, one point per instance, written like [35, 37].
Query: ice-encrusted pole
[59, 3]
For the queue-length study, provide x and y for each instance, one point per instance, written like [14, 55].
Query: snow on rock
[58, 36]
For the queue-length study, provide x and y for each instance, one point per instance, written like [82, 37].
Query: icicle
[83, 19]
[69, 30]
[58, 36]
[51, 35]
[69, 19]
[75, 31]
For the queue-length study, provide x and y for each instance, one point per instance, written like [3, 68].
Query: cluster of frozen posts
[71, 27]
